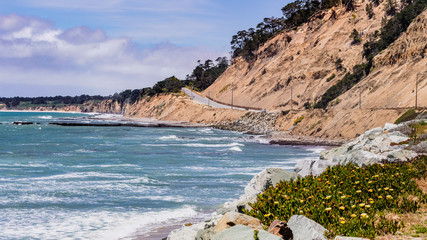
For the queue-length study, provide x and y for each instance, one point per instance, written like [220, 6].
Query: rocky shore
[389, 143]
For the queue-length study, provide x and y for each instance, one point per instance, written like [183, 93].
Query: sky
[99, 47]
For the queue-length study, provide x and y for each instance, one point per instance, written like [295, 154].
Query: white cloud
[34, 53]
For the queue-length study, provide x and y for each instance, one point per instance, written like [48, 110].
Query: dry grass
[415, 223]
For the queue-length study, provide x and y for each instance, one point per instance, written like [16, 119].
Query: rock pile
[252, 123]
[390, 143]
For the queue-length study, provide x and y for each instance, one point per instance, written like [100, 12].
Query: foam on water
[111, 183]
[51, 224]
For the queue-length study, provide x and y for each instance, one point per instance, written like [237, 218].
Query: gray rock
[306, 229]
[259, 183]
[207, 232]
[240, 232]
[349, 238]
[190, 232]
[186, 232]
[373, 146]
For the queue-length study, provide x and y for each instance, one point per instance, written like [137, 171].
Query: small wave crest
[170, 137]
[45, 117]
[235, 144]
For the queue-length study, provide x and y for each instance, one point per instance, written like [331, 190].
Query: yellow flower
[367, 206]
[361, 205]
[328, 197]
[386, 189]
[342, 208]
[391, 189]
[376, 176]
[370, 190]
[379, 189]
[353, 215]
[357, 182]
[353, 206]
[389, 197]
[364, 215]
[371, 202]
[380, 197]
[301, 201]
[342, 222]
[342, 197]
[276, 202]
[369, 182]
[267, 215]
[328, 209]
[358, 191]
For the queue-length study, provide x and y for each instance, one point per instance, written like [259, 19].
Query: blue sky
[71, 47]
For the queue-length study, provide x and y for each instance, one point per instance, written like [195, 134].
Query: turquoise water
[109, 182]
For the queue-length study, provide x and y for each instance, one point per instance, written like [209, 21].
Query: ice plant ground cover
[348, 200]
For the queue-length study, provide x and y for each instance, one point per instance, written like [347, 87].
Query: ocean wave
[235, 144]
[170, 137]
[45, 117]
[105, 225]
[236, 149]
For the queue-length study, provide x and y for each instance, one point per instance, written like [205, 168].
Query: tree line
[203, 75]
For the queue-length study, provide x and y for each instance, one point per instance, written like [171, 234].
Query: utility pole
[416, 91]
[292, 102]
[232, 95]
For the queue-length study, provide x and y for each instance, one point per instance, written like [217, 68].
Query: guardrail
[234, 105]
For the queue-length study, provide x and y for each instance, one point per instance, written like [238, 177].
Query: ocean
[60, 182]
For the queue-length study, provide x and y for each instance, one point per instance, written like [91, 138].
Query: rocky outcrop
[306, 229]
[240, 232]
[374, 146]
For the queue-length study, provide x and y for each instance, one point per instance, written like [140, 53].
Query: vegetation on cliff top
[246, 42]
[348, 200]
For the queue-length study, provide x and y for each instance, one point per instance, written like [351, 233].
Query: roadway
[206, 101]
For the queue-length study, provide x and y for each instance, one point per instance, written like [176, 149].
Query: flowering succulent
[332, 200]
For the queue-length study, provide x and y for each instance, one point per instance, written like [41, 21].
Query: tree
[369, 10]
[355, 35]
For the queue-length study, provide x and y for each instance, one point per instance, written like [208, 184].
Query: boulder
[190, 232]
[240, 232]
[306, 229]
[371, 147]
[280, 229]
[268, 177]
[207, 232]
[259, 183]
[231, 219]
[186, 232]
[349, 238]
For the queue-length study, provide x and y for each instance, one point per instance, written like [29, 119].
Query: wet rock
[23, 123]
[280, 229]
[240, 232]
[306, 229]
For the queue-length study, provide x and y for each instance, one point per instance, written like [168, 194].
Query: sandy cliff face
[392, 82]
[304, 60]
[179, 108]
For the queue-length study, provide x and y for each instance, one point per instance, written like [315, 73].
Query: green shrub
[409, 115]
[348, 200]
[330, 78]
